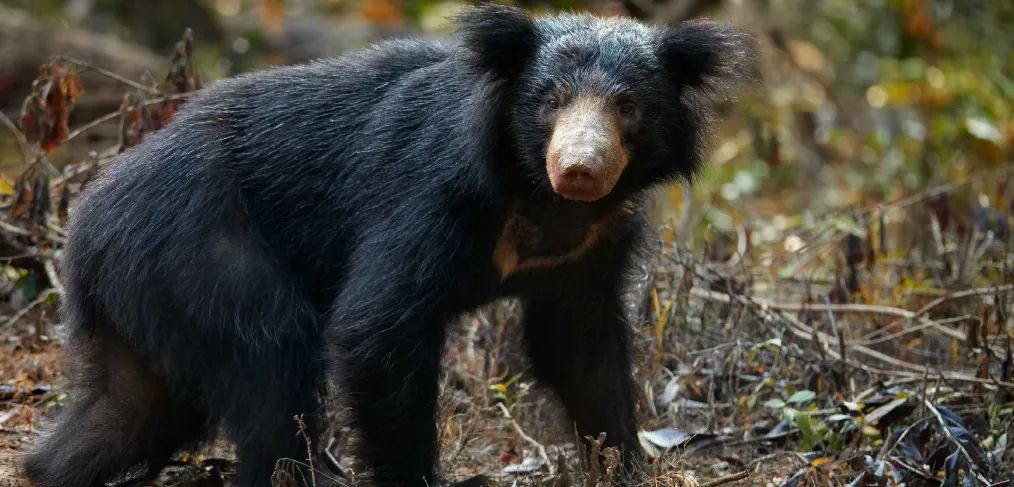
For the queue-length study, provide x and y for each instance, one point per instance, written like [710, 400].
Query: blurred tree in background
[861, 101]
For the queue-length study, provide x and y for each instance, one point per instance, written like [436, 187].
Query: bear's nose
[580, 175]
[580, 167]
[577, 175]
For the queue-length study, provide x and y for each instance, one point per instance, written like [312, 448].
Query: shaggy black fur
[331, 218]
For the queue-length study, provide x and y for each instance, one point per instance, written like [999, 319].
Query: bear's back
[252, 152]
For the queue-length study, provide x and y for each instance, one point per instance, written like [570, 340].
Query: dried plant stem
[538, 446]
[726, 479]
[914, 329]
[113, 115]
[964, 294]
[23, 311]
[54, 278]
[806, 332]
[309, 448]
[26, 148]
[841, 347]
[918, 316]
[878, 309]
[109, 74]
[943, 426]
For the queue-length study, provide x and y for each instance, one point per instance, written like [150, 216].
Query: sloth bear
[326, 221]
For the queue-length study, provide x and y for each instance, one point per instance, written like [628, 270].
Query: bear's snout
[581, 174]
[585, 156]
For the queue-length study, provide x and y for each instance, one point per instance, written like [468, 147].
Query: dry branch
[517, 429]
[950, 437]
[806, 332]
[27, 43]
[726, 479]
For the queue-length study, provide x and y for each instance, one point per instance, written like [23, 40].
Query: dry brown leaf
[46, 111]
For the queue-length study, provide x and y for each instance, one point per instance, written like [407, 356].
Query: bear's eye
[553, 104]
[627, 108]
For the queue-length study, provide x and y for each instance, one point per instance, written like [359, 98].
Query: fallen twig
[113, 115]
[947, 432]
[538, 446]
[838, 308]
[13, 230]
[964, 294]
[109, 74]
[906, 331]
[806, 332]
[309, 448]
[54, 278]
[333, 463]
[23, 311]
[26, 148]
[726, 479]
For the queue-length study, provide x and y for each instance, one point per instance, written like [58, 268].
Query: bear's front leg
[386, 334]
[390, 379]
[578, 342]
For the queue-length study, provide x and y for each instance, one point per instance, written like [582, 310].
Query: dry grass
[707, 365]
[844, 367]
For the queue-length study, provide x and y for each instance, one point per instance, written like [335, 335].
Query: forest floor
[877, 368]
[754, 391]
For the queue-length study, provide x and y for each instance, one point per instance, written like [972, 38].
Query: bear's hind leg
[123, 417]
[260, 417]
[271, 374]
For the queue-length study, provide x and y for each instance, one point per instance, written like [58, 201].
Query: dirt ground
[476, 437]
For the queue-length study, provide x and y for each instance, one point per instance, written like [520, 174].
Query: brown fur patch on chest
[528, 244]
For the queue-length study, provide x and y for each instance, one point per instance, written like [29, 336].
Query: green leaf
[774, 403]
[833, 442]
[802, 396]
[821, 428]
[789, 414]
[803, 422]
[851, 406]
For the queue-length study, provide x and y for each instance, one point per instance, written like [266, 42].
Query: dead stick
[112, 115]
[841, 347]
[54, 277]
[26, 148]
[805, 332]
[109, 74]
[726, 479]
[964, 294]
[517, 428]
[23, 311]
[943, 426]
[309, 448]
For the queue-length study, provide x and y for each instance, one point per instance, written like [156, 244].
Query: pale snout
[585, 156]
[581, 174]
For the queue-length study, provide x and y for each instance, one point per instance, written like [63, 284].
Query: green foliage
[862, 101]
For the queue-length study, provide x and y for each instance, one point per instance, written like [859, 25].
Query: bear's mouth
[586, 156]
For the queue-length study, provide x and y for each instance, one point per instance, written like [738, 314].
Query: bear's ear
[702, 54]
[502, 38]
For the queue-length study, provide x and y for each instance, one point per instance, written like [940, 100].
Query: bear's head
[601, 108]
